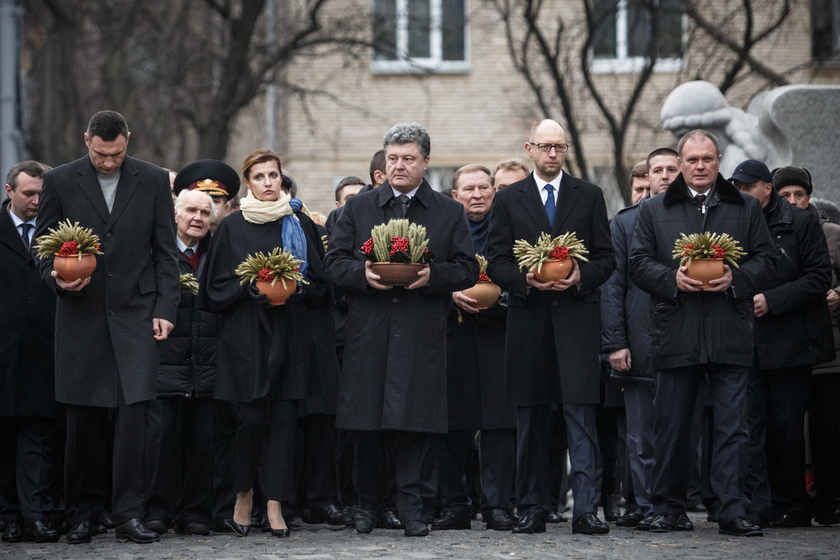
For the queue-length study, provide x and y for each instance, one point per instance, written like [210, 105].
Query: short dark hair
[377, 163]
[346, 182]
[698, 133]
[107, 125]
[289, 183]
[638, 172]
[660, 152]
[30, 167]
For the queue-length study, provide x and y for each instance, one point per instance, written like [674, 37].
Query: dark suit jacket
[553, 338]
[104, 333]
[27, 308]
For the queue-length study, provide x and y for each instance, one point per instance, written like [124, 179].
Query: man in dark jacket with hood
[792, 333]
[697, 332]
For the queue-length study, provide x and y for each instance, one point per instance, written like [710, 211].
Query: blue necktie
[549, 204]
[25, 234]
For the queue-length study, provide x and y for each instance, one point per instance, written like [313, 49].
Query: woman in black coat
[266, 353]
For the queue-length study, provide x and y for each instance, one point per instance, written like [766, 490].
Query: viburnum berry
[559, 253]
[367, 248]
[719, 253]
[482, 276]
[266, 274]
[70, 248]
[399, 244]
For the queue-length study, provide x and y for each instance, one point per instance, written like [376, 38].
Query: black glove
[260, 300]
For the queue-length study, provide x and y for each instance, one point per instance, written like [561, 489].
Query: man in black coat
[700, 332]
[792, 334]
[109, 325]
[553, 329]
[393, 378]
[27, 369]
[625, 336]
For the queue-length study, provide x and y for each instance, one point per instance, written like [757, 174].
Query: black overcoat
[625, 309]
[264, 353]
[700, 327]
[797, 330]
[393, 375]
[104, 332]
[27, 328]
[553, 338]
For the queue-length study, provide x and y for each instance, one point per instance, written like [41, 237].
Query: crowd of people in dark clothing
[134, 401]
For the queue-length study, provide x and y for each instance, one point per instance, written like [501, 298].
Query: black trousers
[190, 472]
[776, 400]
[320, 460]
[824, 429]
[26, 466]
[677, 392]
[84, 475]
[497, 456]
[264, 443]
[452, 477]
[414, 458]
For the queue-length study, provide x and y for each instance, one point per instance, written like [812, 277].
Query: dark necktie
[192, 257]
[25, 235]
[700, 198]
[189, 252]
[402, 205]
[549, 204]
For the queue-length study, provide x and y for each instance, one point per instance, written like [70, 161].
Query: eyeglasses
[560, 148]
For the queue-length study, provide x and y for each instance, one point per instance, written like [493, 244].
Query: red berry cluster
[68, 249]
[367, 248]
[266, 274]
[482, 276]
[399, 244]
[688, 247]
[559, 253]
[719, 253]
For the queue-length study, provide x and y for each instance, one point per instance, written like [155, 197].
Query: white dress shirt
[555, 184]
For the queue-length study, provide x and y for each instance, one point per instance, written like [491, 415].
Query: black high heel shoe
[281, 533]
[241, 530]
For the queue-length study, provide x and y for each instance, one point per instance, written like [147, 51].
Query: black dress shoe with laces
[556, 517]
[39, 532]
[529, 523]
[611, 509]
[388, 520]
[589, 524]
[451, 521]
[191, 528]
[644, 524]
[135, 530]
[663, 523]
[365, 520]
[499, 520]
[631, 518]
[156, 525]
[683, 523]
[13, 532]
[81, 533]
[740, 527]
[416, 529]
[330, 515]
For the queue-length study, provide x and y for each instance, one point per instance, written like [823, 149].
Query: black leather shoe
[241, 530]
[388, 520]
[644, 524]
[106, 519]
[797, 518]
[281, 533]
[663, 523]
[683, 523]
[589, 524]
[827, 518]
[40, 532]
[758, 519]
[556, 517]
[416, 529]
[81, 533]
[13, 532]
[631, 518]
[330, 515]
[259, 520]
[450, 521]
[365, 520]
[499, 520]
[135, 530]
[529, 523]
[611, 510]
[191, 528]
[156, 525]
[740, 527]
[714, 512]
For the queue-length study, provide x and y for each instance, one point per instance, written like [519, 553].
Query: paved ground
[319, 542]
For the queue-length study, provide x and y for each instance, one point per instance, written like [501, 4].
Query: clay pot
[554, 270]
[277, 294]
[705, 270]
[396, 274]
[71, 268]
[486, 293]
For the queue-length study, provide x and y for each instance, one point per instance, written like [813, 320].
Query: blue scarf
[293, 237]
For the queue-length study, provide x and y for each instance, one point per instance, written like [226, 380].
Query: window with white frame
[623, 29]
[419, 36]
[825, 31]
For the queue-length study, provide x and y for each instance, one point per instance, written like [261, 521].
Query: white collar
[183, 246]
[695, 193]
[18, 221]
[409, 194]
[555, 183]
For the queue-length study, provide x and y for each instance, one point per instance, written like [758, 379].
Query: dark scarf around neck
[479, 231]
